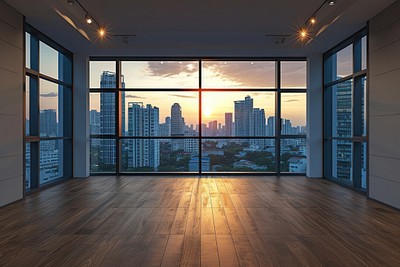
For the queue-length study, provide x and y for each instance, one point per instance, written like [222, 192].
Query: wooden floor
[153, 221]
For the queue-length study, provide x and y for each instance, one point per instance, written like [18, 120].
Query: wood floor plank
[226, 251]
[198, 221]
[209, 251]
[173, 251]
[155, 252]
[179, 224]
[244, 251]
[207, 222]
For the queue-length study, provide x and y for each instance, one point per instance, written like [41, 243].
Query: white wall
[81, 117]
[384, 106]
[11, 104]
[314, 116]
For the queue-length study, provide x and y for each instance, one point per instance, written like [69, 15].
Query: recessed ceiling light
[313, 21]
[331, 2]
[71, 2]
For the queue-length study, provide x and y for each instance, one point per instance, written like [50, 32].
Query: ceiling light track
[89, 19]
[303, 32]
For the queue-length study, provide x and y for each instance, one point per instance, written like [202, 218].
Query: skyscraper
[342, 127]
[48, 123]
[212, 128]
[228, 124]
[243, 116]
[177, 126]
[271, 126]
[143, 121]
[258, 127]
[107, 116]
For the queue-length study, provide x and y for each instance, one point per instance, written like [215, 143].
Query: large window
[48, 110]
[345, 76]
[198, 116]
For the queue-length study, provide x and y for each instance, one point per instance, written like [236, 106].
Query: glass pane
[102, 74]
[238, 114]
[238, 74]
[102, 113]
[160, 74]
[294, 155]
[48, 60]
[293, 113]
[342, 151]
[364, 53]
[27, 165]
[159, 155]
[364, 156]
[102, 155]
[342, 109]
[49, 109]
[237, 155]
[344, 64]
[51, 160]
[160, 113]
[339, 65]
[27, 50]
[364, 105]
[27, 105]
[294, 74]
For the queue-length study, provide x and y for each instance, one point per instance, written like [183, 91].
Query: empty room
[209, 133]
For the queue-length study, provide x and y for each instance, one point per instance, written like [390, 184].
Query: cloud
[135, 97]
[52, 94]
[244, 73]
[168, 69]
[183, 96]
[239, 74]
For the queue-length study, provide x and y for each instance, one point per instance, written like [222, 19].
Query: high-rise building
[143, 121]
[48, 122]
[258, 127]
[94, 121]
[177, 126]
[243, 116]
[107, 116]
[342, 127]
[212, 128]
[228, 124]
[271, 126]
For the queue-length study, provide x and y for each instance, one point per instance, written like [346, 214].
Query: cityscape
[181, 151]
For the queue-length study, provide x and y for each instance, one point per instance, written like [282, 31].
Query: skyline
[189, 104]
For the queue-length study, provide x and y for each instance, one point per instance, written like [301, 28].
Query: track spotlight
[88, 19]
[331, 3]
[313, 21]
[303, 34]
[102, 32]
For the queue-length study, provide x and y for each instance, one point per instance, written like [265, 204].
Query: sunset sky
[216, 75]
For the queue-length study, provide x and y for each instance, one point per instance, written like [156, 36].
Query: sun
[207, 111]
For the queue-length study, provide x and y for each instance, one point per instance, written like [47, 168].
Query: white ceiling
[198, 28]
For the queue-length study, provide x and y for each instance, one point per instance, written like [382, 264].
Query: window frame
[118, 136]
[65, 90]
[358, 139]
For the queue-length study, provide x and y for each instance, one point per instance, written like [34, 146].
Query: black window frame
[34, 138]
[118, 136]
[358, 139]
